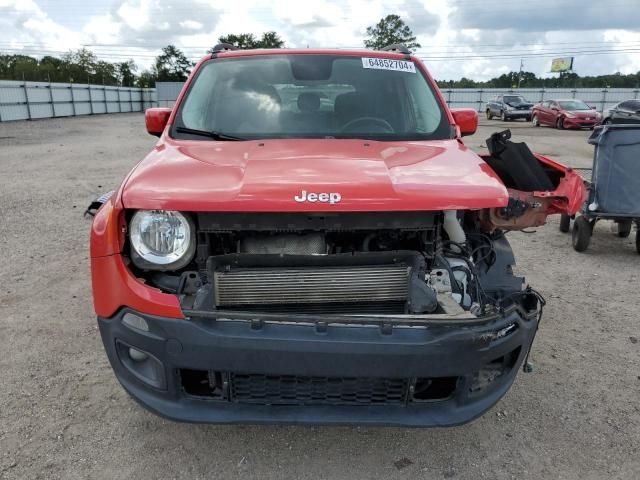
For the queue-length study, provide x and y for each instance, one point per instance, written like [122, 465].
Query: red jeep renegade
[310, 241]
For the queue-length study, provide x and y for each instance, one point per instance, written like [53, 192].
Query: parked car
[285, 262]
[624, 112]
[508, 107]
[571, 113]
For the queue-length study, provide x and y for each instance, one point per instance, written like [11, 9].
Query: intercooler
[311, 283]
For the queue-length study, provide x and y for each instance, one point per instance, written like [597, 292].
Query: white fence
[600, 98]
[32, 100]
[167, 93]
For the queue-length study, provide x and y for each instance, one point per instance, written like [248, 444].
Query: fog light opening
[142, 365]
[494, 370]
[136, 355]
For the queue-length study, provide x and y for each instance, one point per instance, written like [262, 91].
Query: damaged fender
[537, 186]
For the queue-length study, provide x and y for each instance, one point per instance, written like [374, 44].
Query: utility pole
[520, 72]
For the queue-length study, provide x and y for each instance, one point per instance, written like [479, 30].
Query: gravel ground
[64, 415]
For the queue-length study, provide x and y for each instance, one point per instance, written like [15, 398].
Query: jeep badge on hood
[324, 197]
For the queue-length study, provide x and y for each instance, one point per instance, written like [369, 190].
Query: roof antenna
[223, 47]
[397, 48]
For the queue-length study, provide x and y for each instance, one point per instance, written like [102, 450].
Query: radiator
[317, 285]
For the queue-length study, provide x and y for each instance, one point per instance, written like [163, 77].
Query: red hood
[266, 175]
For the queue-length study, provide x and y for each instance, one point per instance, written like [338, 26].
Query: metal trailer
[614, 190]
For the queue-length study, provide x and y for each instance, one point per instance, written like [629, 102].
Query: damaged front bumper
[241, 368]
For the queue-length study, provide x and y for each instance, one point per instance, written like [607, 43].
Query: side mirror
[156, 120]
[466, 119]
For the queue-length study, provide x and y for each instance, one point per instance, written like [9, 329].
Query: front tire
[535, 121]
[565, 223]
[581, 234]
[503, 116]
[489, 116]
[560, 123]
[638, 239]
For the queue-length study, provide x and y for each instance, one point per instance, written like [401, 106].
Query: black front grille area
[298, 390]
[261, 389]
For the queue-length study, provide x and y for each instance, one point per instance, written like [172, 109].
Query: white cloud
[191, 25]
[23, 21]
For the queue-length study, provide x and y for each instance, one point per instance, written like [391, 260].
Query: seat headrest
[309, 102]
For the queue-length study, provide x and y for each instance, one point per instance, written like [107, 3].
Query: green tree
[270, 40]
[53, 69]
[390, 30]
[80, 66]
[172, 65]
[105, 73]
[126, 73]
[146, 79]
[18, 67]
[249, 40]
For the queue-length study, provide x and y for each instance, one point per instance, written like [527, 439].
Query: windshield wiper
[207, 133]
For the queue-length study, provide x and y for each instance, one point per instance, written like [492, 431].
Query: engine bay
[387, 263]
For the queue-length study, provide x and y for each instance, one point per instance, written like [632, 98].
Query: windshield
[514, 99]
[317, 96]
[574, 105]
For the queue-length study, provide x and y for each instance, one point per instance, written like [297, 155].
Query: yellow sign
[563, 64]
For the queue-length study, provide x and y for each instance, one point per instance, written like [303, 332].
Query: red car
[310, 241]
[562, 114]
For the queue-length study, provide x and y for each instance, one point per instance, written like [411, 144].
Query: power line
[531, 55]
[455, 55]
[443, 46]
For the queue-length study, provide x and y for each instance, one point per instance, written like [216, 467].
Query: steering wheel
[377, 122]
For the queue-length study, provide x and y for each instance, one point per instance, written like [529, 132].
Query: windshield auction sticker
[388, 64]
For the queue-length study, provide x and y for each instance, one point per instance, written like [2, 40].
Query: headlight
[569, 115]
[161, 240]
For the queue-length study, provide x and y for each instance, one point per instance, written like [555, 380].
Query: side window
[629, 106]
[499, 99]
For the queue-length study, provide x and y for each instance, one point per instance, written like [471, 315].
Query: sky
[477, 39]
